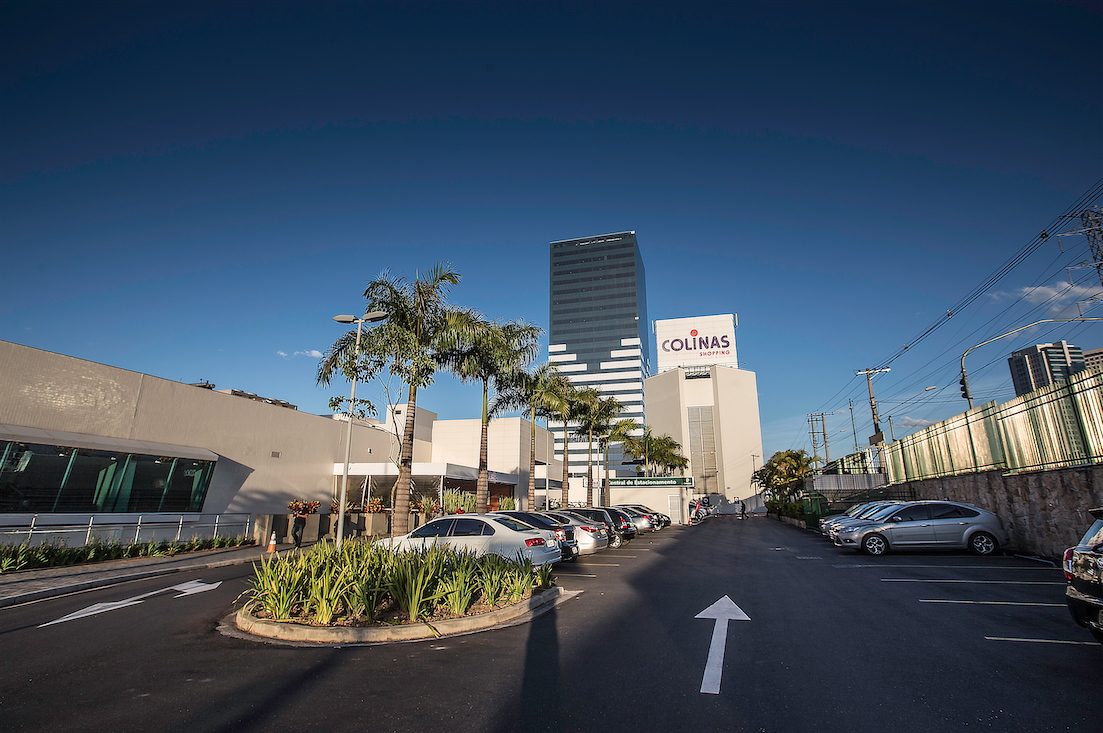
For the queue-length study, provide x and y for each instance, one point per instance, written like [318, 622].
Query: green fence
[1053, 427]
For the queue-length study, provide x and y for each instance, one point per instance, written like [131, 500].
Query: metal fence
[76, 530]
[1054, 427]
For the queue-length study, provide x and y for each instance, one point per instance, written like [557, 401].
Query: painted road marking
[723, 610]
[578, 575]
[186, 589]
[1041, 641]
[603, 564]
[809, 557]
[973, 582]
[627, 556]
[993, 603]
[945, 567]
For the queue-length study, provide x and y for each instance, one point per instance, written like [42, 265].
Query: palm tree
[538, 392]
[566, 404]
[639, 447]
[492, 353]
[618, 433]
[419, 321]
[658, 453]
[596, 415]
[668, 456]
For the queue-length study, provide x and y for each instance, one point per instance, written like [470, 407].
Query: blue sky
[193, 190]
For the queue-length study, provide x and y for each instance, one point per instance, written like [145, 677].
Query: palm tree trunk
[482, 486]
[608, 500]
[532, 463]
[400, 509]
[566, 475]
[590, 470]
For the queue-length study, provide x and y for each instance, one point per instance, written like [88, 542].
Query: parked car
[620, 527]
[564, 532]
[850, 513]
[483, 534]
[1083, 566]
[926, 525]
[643, 522]
[871, 513]
[592, 536]
[658, 519]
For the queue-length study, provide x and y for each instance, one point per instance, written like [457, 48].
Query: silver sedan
[927, 525]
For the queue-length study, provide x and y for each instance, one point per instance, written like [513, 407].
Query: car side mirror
[897, 519]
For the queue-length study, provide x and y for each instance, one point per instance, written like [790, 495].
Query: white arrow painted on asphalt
[186, 589]
[724, 610]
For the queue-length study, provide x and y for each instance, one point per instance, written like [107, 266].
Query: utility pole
[878, 438]
[852, 425]
[823, 431]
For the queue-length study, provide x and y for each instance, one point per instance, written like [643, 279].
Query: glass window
[469, 528]
[438, 528]
[512, 523]
[945, 511]
[912, 514]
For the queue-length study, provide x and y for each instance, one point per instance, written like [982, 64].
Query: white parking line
[945, 567]
[972, 582]
[992, 603]
[578, 575]
[627, 556]
[1040, 641]
[615, 565]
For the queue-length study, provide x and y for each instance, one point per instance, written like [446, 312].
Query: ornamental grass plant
[365, 583]
[57, 554]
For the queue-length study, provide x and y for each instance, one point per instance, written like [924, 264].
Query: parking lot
[833, 640]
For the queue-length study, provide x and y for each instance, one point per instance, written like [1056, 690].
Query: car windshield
[884, 511]
[1094, 536]
[511, 523]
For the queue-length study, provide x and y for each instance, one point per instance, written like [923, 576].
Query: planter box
[376, 524]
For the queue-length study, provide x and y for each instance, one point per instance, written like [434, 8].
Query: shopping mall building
[82, 442]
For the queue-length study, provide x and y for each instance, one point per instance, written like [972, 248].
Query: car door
[428, 534]
[910, 527]
[471, 535]
[950, 522]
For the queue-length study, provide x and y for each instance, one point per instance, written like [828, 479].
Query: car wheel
[874, 544]
[982, 543]
[615, 541]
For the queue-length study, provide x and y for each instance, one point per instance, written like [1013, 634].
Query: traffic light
[964, 382]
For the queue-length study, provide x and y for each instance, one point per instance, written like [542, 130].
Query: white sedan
[482, 534]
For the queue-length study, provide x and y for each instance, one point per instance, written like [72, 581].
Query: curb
[250, 624]
[77, 587]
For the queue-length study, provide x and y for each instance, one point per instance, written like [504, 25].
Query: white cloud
[314, 353]
[911, 423]
[1061, 296]
[282, 353]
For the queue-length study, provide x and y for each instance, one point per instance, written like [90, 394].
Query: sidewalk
[29, 585]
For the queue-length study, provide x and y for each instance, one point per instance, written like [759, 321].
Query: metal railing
[126, 529]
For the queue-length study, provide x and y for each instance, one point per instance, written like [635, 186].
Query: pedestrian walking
[742, 509]
[297, 529]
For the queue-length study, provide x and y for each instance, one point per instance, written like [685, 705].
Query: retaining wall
[1044, 511]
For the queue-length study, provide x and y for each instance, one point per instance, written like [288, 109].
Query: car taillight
[1066, 563]
[535, 541]
[586, 528]
[561, 535]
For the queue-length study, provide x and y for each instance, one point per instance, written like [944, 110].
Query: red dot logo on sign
[693, 332]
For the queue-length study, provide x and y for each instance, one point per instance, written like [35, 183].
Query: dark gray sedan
[927, 525]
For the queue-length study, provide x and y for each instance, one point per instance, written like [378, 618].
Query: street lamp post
[965, 377]
[373, 317]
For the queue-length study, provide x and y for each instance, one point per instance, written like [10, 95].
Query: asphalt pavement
[828, 640]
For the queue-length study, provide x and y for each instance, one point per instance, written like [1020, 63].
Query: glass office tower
[598, 328]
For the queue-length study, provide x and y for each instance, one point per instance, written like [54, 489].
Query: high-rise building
[1093, 359]
[597, 333]
[1043, 364]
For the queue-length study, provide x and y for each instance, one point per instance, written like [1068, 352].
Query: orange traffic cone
[272, 543]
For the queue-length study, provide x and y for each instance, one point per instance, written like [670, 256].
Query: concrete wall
[54, 392]
[1045, 512]
[733, 394]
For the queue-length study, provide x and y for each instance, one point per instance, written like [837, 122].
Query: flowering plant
[298, 506]
[374, 505]
[349, 507]
[425, 506]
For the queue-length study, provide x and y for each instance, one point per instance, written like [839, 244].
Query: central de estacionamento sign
[703, 340]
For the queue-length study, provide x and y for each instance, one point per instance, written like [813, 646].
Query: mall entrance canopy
[428, 478]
